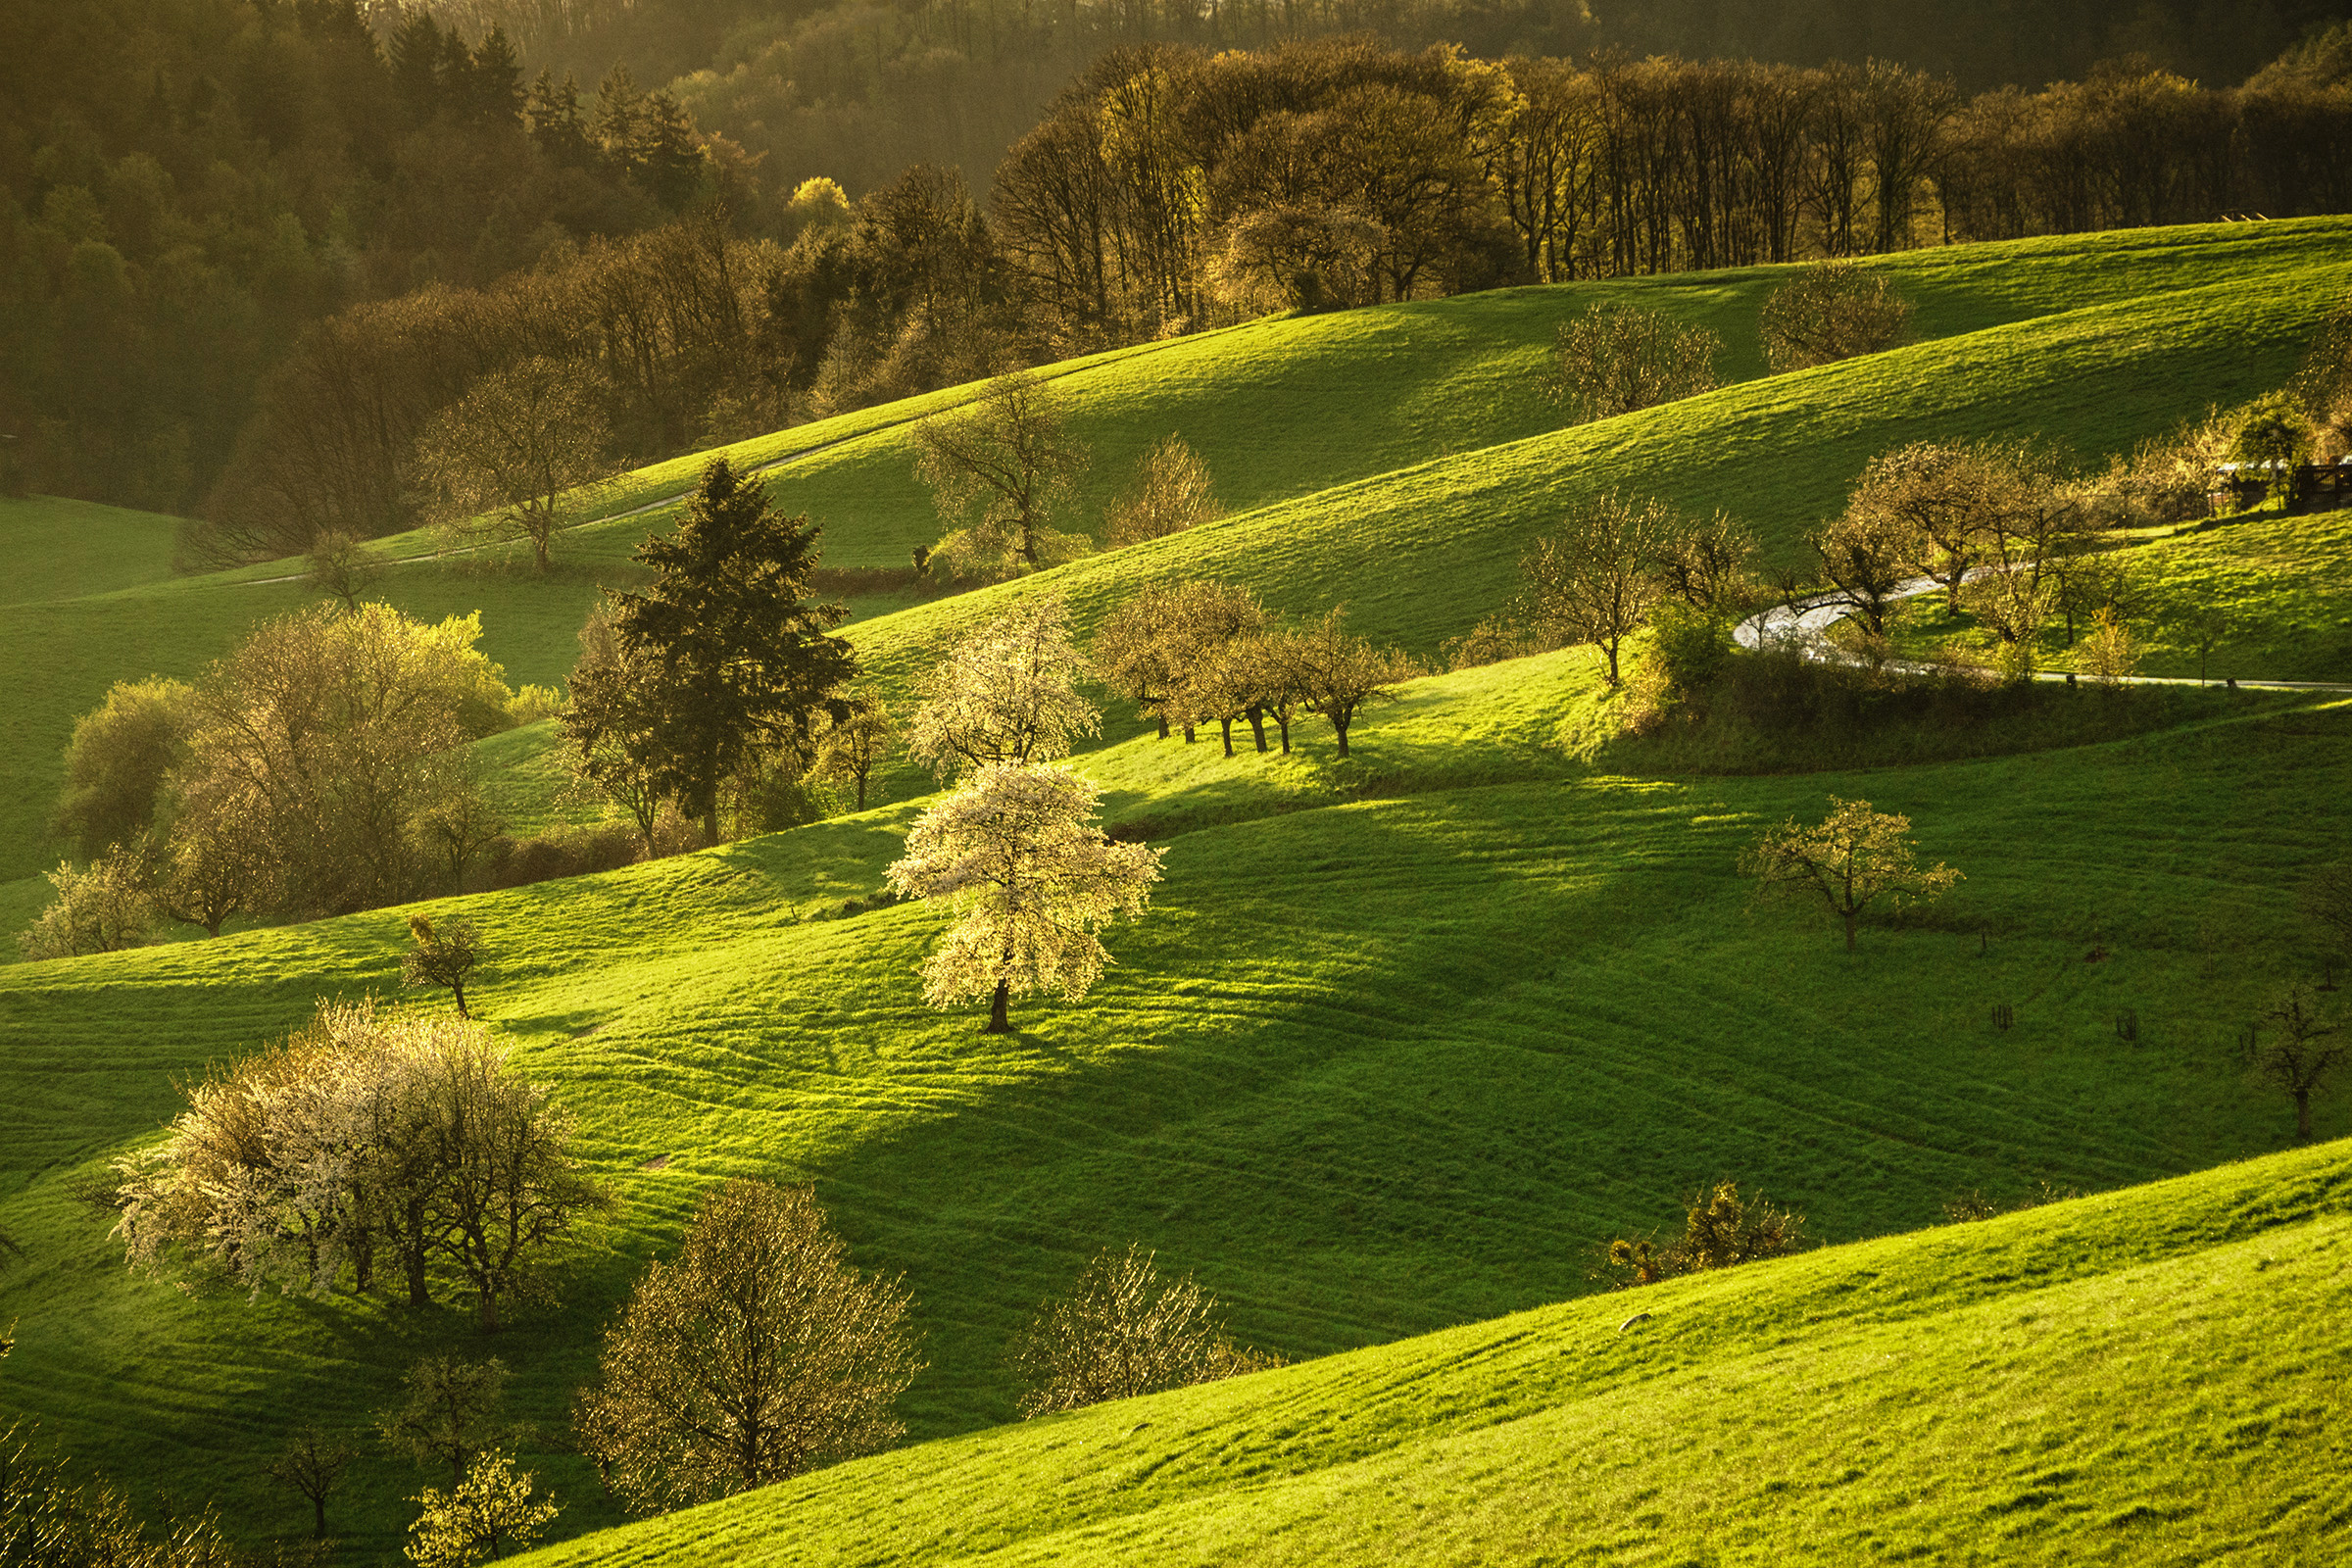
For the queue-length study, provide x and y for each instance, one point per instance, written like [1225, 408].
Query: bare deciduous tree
[1949, 502]
[444, 956]
[1000, 471]
[313, 1464]
[1865, 558]
[343, 567]
[1170, 493]
[1125, 1330]
[1338, 671]
[451, 1413]
[2297, 1047]
[523, 451]
[1007, 693]
[1596, 579]
[1853, 858]
[1016, 851]
[1709, 562]
[1619, 359]
[759, 1354]
[1829, 312]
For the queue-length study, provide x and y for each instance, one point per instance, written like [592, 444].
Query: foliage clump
[1125, 1330]
[1852, 858]
[758, 1353]
[366, 1138]
[1832, 311]
[1619, 359]
[1722, 1228]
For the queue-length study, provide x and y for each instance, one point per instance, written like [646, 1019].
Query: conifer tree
[744, 663]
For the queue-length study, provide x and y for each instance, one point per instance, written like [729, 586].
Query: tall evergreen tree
[416, 52]
[744, 660]
[494, 84]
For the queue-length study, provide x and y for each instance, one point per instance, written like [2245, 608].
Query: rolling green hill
[1402, 1039]
[1396, 458]
[2149, 1377]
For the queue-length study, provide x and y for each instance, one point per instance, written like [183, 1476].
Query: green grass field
[1412, 503]
[1405, 1035]
[1403, 1040]
[2151, 1377]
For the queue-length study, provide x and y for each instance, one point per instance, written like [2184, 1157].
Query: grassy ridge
[1373, 1068]
[2153, 1376]
[1298, 417]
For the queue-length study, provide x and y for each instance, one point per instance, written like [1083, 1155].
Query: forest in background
[249, 248]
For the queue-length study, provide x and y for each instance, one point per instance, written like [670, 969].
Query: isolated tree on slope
[1125, 1330]
[2298, 1046]
[1000, 470]
[759, 1354]
[519, 454]
[1596, 578]
[1829, 312]
[1016, 851]
[854, 747]
[743, 663]
[1171, 493]
[1852, 860]
[1005, 693]
[1618, 358]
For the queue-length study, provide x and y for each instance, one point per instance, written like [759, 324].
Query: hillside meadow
[2095, 342]
[2147, 1377]
[1401, 1042]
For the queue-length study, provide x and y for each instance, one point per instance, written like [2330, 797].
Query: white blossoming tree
[1016, 851]
[1007, 692]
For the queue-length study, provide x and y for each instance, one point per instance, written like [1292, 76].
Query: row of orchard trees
[1168, 185]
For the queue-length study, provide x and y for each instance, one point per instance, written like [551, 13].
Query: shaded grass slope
[1373, 1066]
[2153, 1376]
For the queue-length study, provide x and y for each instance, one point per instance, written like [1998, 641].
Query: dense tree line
[184, 189]
[858, 93]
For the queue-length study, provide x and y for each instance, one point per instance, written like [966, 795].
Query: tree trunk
[1284, 719]
[711, 825]
[1257, 724]
[1163, 725]
[458, 989]
[319, 1503]
[1226, 724]
[1189, 737]
[1609, 648]
[861, 792]
[2302, 1115]
[998, 1022]
[1849, 930]
[411, 1254]
[1338, 727]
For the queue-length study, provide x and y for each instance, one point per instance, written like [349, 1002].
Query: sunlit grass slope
[1394, 457]
[1392, 1059]
[2154, 1376]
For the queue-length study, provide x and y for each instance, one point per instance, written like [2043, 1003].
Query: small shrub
[1687, 648]
[1125, 1330]
[1722, 1228]
[561, 852]
[1490, 642]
